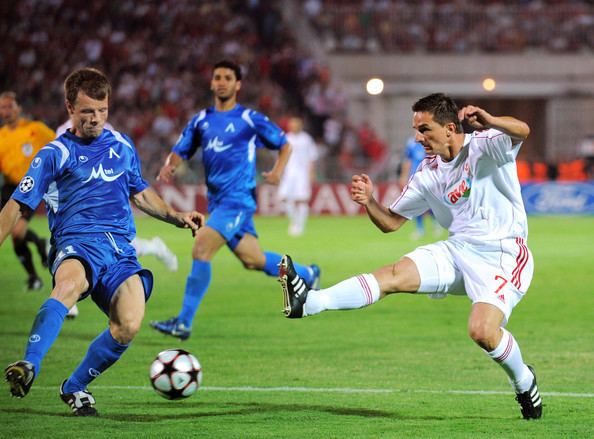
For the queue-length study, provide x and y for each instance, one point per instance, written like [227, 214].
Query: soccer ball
[175, 374]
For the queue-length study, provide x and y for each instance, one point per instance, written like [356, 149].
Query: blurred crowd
[453, 26]
[158, 55]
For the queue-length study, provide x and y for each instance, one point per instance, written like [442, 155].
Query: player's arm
[9, 215]
[274, 175]
[151, 203]
[381, 216]
[404, 172]
[168, 169]
[481, 120]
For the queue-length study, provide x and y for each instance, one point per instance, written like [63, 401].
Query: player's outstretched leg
[294, 289]
[81, 403]
[530, 401]
[20, 376]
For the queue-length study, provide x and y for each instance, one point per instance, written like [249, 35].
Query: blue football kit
[86, 186]
[414, 152]
[228, 140]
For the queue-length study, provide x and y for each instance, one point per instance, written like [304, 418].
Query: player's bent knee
[483, 335]
[124, 332]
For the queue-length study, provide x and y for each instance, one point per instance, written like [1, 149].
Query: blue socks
[102, 353]
[45, 330]
[273, 260]
[196, 287]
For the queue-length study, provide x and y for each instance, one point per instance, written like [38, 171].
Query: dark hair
[91, 81]
[226, 64]
[442, 107]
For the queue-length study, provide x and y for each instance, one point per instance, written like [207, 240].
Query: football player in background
[87, 177]
[228, 135]
[299, 175]
[470, 182]
[20, 140]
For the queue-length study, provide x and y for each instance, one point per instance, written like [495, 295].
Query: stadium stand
[158, 56]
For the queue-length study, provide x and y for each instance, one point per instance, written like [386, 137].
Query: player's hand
[191, 220]
[271, 177]
[166, 173]
[476, 117]
[361, 189]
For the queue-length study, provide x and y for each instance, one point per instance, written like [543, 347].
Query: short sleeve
[136, 182]
[497, 145]
[189, 140]
[411, 202]
[42, 171]
[269, 134]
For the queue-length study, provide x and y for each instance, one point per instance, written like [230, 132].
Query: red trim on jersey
[521, 261]
[366, 289]
[506, 352]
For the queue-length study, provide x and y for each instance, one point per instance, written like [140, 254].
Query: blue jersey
[414, 152]
[229, 140]
[86, 185]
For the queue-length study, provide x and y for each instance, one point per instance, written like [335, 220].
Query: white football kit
[477, 197]
[296, 183]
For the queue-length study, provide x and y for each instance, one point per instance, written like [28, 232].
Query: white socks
[507, 354]
[356, 292]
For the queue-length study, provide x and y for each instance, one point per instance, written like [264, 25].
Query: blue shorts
[108, 260]
[232, 220]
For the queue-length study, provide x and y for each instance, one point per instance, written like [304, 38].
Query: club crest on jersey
[112, 153]
[103, 174]
[217, 145]
[459, 191]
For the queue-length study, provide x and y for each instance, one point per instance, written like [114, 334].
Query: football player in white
[470, 183]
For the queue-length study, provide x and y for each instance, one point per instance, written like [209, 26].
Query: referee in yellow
[20, 140]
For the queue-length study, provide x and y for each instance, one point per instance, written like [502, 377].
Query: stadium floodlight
[374, 86]
[489, 84]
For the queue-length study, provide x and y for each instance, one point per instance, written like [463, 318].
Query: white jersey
[68, 124]
[476, 196]
[296, 182]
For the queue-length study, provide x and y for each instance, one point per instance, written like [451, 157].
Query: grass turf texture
[390, 370]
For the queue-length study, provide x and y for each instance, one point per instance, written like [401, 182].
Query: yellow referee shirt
[18, 146]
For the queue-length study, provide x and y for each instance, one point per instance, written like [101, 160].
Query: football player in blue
[87, 177]
[228, 135]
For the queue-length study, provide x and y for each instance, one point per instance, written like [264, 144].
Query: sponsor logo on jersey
[36, 162]
[83, 158]
[230, 128]
[217, 145]
[462, 190]
[26, 184]
[103, 174]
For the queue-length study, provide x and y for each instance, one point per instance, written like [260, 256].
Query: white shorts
[497, 272]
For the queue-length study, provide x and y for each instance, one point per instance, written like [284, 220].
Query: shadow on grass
[159, 412]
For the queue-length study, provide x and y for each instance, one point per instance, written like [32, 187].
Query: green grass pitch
[402, 368]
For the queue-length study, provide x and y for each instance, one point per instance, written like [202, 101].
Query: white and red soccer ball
[175, 374]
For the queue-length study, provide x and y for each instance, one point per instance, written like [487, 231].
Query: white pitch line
[342, 390]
